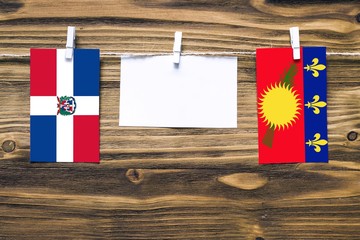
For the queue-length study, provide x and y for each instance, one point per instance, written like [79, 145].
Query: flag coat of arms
[64, 105]
[292, 105]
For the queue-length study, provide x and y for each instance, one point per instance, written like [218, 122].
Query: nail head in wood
[8, 146]
[352, 136]
[358, 18]
[135, 176]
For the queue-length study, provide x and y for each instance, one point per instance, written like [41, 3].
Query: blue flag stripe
[315, 110]
[43, 139]
[86, 72]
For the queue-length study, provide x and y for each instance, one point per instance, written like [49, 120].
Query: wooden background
[180, 183]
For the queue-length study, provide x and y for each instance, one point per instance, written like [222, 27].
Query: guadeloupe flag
[64, 105]
[292, 105]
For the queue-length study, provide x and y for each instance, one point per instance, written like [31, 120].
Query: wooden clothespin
[70, 43]
[295, 42]
[177, 47]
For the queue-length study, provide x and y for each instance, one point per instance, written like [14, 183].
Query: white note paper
[200, 92]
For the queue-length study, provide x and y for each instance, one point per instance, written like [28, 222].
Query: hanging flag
[64, 106]
[291, 97]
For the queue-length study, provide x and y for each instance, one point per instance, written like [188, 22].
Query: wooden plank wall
[180, 183]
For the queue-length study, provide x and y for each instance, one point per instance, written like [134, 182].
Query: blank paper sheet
[200, 92]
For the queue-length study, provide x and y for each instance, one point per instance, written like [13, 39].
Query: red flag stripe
[42, 72]
[86, 139]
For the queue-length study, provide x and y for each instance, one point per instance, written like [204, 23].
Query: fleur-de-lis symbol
[317, 142]
[316, 104]
[315, 67]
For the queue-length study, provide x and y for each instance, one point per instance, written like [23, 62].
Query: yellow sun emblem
[279, 106]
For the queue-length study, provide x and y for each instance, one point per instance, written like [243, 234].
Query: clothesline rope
[119, 54]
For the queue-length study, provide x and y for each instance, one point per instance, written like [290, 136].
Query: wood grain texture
[165, 183]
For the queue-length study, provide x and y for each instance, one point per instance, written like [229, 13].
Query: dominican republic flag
[292, 105]
[64, 106]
